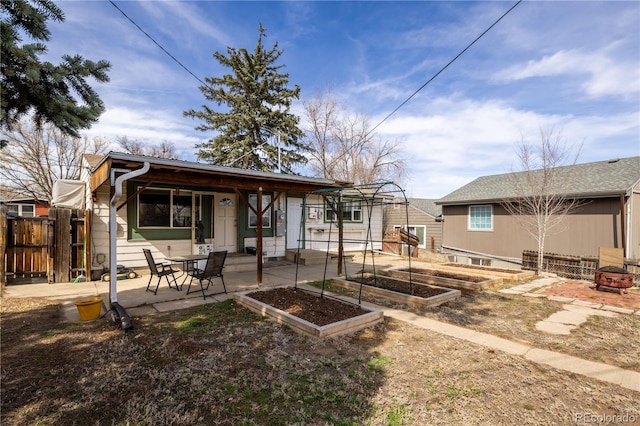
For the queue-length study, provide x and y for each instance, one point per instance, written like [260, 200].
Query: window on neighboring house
[164, 208]
[480, 218]
[266, 217]
[24, 210]
[351, 211]
[419, 231]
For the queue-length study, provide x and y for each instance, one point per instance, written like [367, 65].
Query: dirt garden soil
[310, 307]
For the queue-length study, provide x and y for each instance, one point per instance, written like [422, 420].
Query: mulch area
[586, 291]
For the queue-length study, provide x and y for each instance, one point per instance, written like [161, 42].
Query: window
[351, 212]
[266, 217]
[164, 208]
[419, 231]
[480, 218]
[24, 210]
[182, 210]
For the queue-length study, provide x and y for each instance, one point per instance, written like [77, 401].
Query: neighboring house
[421, 217]
[180, 207]
[476, 223]
[25, 207]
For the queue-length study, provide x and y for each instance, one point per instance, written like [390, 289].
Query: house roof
[588, 180]
[93, 159]
[426, 205]
[188, 172]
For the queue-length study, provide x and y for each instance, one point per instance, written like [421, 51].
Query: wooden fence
[46, 249]
[568, 266]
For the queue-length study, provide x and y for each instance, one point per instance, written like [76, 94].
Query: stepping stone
[568, 317]
[554, 327]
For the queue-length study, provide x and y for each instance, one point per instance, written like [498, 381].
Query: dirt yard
[221, 364]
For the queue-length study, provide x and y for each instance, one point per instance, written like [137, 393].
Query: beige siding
[582, 233]
[397, 216]
[271, 246]
[320, 235]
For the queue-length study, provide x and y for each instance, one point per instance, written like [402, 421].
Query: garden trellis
[338, 203]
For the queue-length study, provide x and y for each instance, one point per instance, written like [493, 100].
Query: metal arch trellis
[373, 194]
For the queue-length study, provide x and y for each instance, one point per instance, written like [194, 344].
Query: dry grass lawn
[221, 364]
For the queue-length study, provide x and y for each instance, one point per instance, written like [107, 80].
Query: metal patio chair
[213, 269]
[159, 270]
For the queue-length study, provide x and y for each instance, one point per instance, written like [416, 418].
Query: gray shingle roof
[428, 206]
[599, 179]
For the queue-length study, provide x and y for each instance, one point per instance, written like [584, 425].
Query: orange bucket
[90, 308]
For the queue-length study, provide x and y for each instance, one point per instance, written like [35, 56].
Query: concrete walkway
[138, 302]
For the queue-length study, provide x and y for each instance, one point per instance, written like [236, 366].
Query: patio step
[240, 263]
[312, 257]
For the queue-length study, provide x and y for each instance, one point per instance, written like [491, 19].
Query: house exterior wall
[396, 215]
[319, 234]
[129, 251]
[594, 225]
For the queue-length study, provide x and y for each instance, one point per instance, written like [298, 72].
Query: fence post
[3, 245]
[62, 247]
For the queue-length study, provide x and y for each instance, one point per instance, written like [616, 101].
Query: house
[178, 207]
[420, 216]
[21, 205]
[476, 224]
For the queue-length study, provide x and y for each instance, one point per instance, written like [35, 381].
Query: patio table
[188, 262]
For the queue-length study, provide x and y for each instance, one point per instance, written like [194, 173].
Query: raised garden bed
[398, 290]
[504, 273]
[450, 279]
[307, 312]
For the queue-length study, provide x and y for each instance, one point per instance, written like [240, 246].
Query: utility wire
[443, 68]
[158, 44]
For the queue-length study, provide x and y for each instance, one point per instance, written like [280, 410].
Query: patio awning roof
[190, 173]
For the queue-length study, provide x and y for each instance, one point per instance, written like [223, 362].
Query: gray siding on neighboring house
[594, 225]
[396, 215]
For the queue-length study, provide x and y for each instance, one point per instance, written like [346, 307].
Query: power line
[158, 44]
[443, 68]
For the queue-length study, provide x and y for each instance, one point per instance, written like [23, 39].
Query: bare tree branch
[35, 157]
[133, 146]
[540, 201]
[343, 148]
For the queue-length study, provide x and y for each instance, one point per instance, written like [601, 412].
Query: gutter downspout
[623, 230]
[113, 229]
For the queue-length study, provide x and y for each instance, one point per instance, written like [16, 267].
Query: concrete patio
[132, 294]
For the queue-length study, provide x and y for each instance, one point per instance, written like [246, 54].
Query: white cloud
[605, 76]
[452, 141]
[185, 21]
[149, 126]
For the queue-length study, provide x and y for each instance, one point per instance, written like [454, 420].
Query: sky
[572, 67]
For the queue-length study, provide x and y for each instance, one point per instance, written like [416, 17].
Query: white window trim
[266, 199]
[331, 216]
[469, 228]
[424, 227]
[20, 209]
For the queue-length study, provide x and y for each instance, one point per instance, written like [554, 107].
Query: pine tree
[57, 94]
[258, 103]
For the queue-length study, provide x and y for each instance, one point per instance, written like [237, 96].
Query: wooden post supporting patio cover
[259, 211]
[259, 236]
[340, 237]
